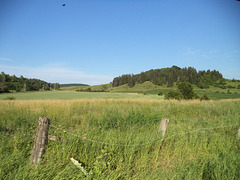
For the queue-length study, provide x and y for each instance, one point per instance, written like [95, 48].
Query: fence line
[143, 144]
[155, 121]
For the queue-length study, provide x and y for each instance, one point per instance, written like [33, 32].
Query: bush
[223, 87]
[204, 97]
[234, 80]
[231, 87]
[10, 98]
[222, 82]
[186, 90]
[160, 93]
[196, 96]
[173, 95]
[202, 85]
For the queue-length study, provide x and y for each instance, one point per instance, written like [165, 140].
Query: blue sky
[93, 41]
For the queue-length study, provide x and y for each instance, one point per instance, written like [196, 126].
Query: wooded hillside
[21, 83]
[167, 76]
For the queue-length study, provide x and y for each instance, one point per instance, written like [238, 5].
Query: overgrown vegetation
[116, 139]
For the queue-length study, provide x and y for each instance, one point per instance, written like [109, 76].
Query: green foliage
[167, 76]
[186, 90]
[89, 89]
[160, 93]
[173, 95]
[13, 83]
[204, 97]
[234, 80]
[10, 98]
[202, 85]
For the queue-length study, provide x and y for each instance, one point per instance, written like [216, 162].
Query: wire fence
[147, 143]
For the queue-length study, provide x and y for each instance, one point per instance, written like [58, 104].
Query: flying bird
[63, 4]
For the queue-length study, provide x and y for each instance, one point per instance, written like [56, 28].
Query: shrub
[10, 98]
[234, 80]
[186, 90]
[231, 87]
[223, 87]
[160, 93]
[204, 97]
[196, 96]
[202, 85]
[173, 95]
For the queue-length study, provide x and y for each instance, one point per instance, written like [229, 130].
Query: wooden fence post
[163, 127]
[41, 140]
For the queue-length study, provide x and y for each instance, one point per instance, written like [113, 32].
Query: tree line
[12, 83]
[167, 76]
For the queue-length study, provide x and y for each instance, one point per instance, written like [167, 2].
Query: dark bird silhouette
[237, 0]
[63, 4]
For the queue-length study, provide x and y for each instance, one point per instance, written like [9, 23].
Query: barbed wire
[142, 144]
[153, 122]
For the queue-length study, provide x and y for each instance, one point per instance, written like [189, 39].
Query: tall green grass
[117, 139]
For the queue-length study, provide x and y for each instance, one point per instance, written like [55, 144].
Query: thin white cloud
[209, 54]
[56, 74]
[232, 53]
[191, 52]
[6, 59]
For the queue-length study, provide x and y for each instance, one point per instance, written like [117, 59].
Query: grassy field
[70, 95]
[117, 139]
[149, 88]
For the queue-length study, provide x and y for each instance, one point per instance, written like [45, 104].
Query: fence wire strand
[143, 144]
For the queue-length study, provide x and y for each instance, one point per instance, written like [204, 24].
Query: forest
[167, 76]
[13, 83]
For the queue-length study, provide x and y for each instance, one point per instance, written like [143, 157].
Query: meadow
[117, 139]
[70, 95]
[148, 88]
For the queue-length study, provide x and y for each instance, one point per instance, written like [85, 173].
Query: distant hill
[168, 76]
[72, 84]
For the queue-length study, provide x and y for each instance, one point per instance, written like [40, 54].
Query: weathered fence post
[163, 127]
[41, 140]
